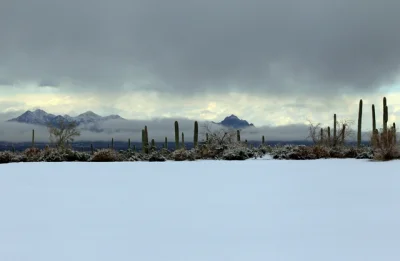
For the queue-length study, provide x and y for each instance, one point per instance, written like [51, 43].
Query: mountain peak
[88, 114]
[234, 122]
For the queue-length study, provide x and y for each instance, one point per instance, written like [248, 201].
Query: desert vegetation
[221, 144]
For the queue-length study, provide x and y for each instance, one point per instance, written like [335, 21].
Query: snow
[204, 210]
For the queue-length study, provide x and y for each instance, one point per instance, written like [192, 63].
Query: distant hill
[233, 121]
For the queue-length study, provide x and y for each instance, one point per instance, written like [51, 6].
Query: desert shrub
[384, 145]
[71, 155]
[183, 154]
[51, 155]
[156, 156]
[238, 153]
[105, 155]
[32, 154]
[6, 157]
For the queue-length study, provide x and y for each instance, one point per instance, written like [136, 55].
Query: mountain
[234, 122]
[40, 117]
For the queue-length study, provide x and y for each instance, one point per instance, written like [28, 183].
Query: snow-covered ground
[206, 210]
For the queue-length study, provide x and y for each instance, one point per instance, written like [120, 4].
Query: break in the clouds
[271, 47]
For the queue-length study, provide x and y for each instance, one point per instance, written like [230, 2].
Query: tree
[63, 132]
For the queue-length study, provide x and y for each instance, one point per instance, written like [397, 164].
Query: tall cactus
[321, 139]
[183, 140]
[196, 134]
[166, 143]
[129, 144]
[143, 141]
[394, 133]
[112, 143]
[176, 135]
[360, 107]
[153, 145]
[146, 139]
[206, 137]
[238, 135]
[334, 130]
[343, 133]
[373, 119]
[329, 136]
[385, 116]
[262, 140]
[91, 148]
[33, 138]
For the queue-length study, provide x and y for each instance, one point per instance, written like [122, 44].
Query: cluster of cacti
[385, 130]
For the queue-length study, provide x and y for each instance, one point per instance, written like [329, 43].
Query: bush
[156, 156]
[6, 157]
[384, 145]
[182, 154]
[238, 153]
[105, 155]
[51, 155]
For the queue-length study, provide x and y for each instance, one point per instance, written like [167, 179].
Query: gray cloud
[272, 47]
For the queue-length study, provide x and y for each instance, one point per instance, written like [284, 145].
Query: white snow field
[264, 210]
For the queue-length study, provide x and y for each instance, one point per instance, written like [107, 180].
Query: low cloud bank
[122, 130]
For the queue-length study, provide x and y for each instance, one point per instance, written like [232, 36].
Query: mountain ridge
[41, 117]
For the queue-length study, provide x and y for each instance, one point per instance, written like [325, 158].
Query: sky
[271, 62]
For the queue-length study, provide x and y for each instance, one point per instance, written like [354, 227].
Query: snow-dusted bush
[105, 155]
[6, 157]
[183, 154]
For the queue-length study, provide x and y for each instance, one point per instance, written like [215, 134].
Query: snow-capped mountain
[40, 117]
[233, 121]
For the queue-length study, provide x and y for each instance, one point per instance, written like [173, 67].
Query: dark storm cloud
[267, 47]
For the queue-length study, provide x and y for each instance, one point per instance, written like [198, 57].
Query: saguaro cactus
[385, 116]
[343, 133]
[321, 139]
[373, 119]
[262, 140]
[91, 148]
[329, 136]
[183, 140]
[359, 123]
[112, 143]
[394, 133]
[146, 139]
[196, 134]
[166, 143]
[129, 144]
[33, 138]
[238, 135]
[334, 130]
[153, 145]
[143, 141]
[176, 135]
